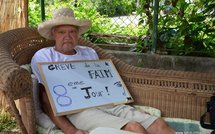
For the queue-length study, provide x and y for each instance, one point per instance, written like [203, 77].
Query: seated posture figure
[65, 30]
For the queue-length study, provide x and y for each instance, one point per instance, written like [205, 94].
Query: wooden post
[42, 5]
[13, 14]
[155, 26]
[25, 9]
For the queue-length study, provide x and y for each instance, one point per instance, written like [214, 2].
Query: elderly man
[65, 30]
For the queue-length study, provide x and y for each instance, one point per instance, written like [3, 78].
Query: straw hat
[62, 16]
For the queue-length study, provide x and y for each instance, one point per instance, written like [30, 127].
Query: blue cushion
[186, 125]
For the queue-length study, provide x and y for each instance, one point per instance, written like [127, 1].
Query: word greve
[61, 66]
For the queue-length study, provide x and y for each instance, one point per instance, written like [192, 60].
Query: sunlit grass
[7, 122]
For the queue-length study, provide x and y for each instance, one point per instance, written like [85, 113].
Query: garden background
[185, 27]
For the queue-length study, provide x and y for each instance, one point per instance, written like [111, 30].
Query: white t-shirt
[49, 54]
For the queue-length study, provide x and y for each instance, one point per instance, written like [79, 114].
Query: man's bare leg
[135, 127]
[159, 126]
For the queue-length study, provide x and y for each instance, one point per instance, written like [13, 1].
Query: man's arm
[60, 121]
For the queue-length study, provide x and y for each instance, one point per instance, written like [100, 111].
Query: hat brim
[45, 28]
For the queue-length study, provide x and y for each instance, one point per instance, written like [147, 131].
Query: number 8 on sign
[62, 99]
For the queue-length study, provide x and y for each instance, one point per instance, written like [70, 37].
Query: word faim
[94, 74]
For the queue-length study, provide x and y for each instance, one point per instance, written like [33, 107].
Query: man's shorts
[112, 116]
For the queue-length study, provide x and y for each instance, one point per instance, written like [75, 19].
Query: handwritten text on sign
[77, 85]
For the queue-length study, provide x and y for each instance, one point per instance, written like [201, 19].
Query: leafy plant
[85, 9]
[34, 13]
[7, 122]
[184, 28]
[188, 27]
[115, 7]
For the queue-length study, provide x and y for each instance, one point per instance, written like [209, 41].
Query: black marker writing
[76, 83]
[87, 65]
[61, 66]
[106, 63]
[87, 91]
[92, 93]
[96, 65]
[123, 91]
[118, 84]
[97, 94]
[107, 90]
[94, 74]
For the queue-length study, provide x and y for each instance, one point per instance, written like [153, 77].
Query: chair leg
[27, 114]
[30, 113]
[15, 111]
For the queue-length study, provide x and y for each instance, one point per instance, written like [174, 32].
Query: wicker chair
[176, 93]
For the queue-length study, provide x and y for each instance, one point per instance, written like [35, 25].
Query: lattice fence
[121, 25]
[120, 14]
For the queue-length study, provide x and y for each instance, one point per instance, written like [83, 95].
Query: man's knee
[160, 125]
[134, 127]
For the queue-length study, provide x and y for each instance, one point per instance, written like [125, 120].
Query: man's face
[66, 38]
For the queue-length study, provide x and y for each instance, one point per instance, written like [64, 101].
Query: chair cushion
[27, 67]
[186, 125]
[41, 118]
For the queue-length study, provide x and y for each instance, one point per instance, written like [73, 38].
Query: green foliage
[85, 9]
[115, 7]
[34, 13]
[188, 27]
[7, 123]
[185, 28]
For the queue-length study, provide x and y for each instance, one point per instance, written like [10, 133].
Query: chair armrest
[16, 82]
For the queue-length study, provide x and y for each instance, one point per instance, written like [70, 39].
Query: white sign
[77, 85]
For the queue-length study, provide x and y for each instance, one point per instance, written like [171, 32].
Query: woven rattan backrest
[26, 41]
